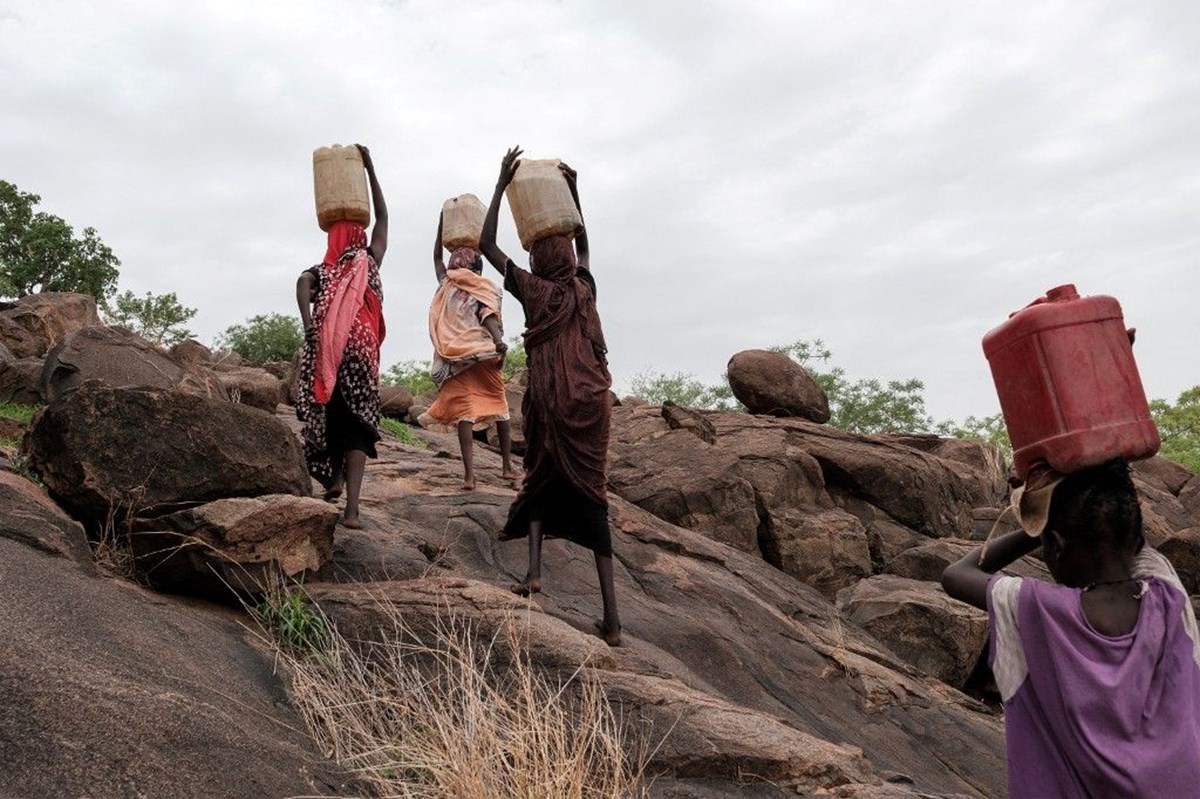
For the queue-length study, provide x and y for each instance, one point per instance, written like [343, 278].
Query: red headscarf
[344, 303]
[343, 235]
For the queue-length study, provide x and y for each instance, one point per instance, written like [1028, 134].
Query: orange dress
[466, 365]
[476, 396]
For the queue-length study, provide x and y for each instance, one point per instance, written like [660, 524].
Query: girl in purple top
[1098, 671]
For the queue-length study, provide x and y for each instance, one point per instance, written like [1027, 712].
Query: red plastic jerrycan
[1068, 385]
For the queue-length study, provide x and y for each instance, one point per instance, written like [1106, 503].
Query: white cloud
[893, 178]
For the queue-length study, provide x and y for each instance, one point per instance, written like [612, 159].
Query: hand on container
[570, 174]
[508, 166]
[366, 155]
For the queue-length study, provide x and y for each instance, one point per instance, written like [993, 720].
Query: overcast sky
[892, 178]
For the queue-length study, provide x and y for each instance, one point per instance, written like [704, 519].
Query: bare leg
[466, 443]
[610, 626]
[504, 429]
[356, 465]
[532, 584]
[334, 490]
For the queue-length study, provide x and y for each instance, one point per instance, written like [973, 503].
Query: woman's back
[1091, 714]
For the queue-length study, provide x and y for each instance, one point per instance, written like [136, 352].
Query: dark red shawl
[567, 405]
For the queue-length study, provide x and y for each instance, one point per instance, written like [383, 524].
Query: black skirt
[346, 432]
[564, 513]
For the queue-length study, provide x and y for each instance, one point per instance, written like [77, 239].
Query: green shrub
[263, 338]
[291, 622]
[403, 433]
[14, 410]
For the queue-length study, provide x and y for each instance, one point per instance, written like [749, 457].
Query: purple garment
[1088, 715]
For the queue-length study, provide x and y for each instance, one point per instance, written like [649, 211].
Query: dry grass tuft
[454, 713]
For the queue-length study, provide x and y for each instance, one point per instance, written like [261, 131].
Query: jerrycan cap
[1062, 293]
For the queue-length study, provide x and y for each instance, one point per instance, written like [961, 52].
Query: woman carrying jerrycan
[567, 407]
[1098, 670]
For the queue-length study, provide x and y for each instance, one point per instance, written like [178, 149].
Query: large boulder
[1182, 548]
[919, 622]
[973, 461]
[827, 549]
[20, 380]
[928, 560]
[48, 318]
[918, 489]
[245, 544]
[1163, 474]
[191, 351]
[682, 478]
[141, 449]
[17, 340]
[226, 359]
[772, 383]
[117, 357]
[112, 692]
[29, 517]
[751, 481]
[252, 386]
[394, 402]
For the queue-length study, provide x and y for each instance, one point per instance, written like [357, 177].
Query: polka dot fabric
[358, 374]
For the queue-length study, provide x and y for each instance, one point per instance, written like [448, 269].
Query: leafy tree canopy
[263, 338]
[683, 389]
[156, 317]
[1179, 428]
[40, 251]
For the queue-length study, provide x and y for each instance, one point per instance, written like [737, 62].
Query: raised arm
[487, 237]
[439, 266]
[379, 233]
[966, 579]
[581, 240]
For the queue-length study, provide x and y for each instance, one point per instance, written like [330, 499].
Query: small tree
[262, 338]
[988, 429]
[159, 318]
[865, 405]
[683, 389]
[1179, 428]
[516, 359]
[413, 375]
[40, 252]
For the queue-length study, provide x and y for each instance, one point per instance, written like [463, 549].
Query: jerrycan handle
[1064, 293]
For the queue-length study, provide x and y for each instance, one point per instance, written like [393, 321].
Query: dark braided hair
[1099, 507]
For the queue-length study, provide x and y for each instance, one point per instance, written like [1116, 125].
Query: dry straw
[453, 712]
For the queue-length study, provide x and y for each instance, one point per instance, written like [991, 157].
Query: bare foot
[468, 485]
[612, 638]
[351, 523]
[527, 587]
[332, 494]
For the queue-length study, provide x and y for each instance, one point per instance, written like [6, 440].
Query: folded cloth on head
[1031, 501]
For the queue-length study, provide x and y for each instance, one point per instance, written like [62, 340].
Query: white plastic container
[462, 222]
[541, 202]
[340, 186]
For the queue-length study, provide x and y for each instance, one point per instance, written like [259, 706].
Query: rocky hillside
[784, 634]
